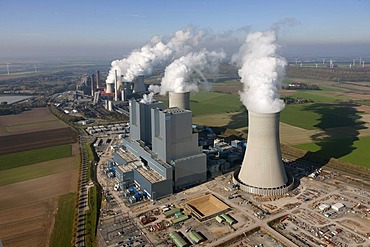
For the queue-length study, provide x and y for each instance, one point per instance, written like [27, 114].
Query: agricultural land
[38, 178]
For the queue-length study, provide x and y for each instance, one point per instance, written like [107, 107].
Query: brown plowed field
[39, 139]
[27, 209]
[29, 121]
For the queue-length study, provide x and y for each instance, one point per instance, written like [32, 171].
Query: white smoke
[147, 98]
[261, 72]
[156, 53]
[177, 77]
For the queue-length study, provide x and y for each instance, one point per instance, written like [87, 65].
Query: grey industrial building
[165, 152]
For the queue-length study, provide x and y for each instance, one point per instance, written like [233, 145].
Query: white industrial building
[338, 206]
[323, 207]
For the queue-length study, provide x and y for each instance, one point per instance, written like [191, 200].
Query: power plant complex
[167, 155]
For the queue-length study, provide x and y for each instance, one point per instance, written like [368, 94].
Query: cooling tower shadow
[339, 126]
[238, 120]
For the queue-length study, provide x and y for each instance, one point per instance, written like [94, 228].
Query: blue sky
[111, 28]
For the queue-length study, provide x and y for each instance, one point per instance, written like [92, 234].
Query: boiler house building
[163, 142]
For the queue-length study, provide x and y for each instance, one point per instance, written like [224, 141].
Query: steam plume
[261, 72]
[177, 77]
[156, 53]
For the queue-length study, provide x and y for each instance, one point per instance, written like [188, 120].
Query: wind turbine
[323, 61]
[7, 67]
[296, 60]
[331, 63]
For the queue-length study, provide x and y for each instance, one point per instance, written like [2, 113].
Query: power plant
[169, 158]
[262, 171]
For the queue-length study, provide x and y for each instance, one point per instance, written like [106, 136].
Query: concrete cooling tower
[109, 88]
[179, 100]
[262, 171]
[139, 85]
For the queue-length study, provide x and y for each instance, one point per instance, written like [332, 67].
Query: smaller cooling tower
[179, 100]
[139, 85]
[262, 171]
[109, 88]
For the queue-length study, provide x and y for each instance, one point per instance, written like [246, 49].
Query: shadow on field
[239, 120]
[340, 125]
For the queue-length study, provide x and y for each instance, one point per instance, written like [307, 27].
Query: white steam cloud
[156, 53]
[261, 72]
[177, 77]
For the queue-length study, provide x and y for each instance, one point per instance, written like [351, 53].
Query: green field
[320, 116]
[206, 103]
[355, 151]
[63, 226]
[14, 160]
[27, 172]
[91, 217]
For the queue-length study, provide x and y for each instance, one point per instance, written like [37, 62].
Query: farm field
[27, 172]
[351, 150]
[24, 158]
[39, 165]
[29, 121]
[62, 232]
[37, 139]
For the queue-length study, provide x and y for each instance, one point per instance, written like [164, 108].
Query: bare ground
[29, 121]
[27, 209]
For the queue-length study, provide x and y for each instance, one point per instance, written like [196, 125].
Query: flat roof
[149, 174]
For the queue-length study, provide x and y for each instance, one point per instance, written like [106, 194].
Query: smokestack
[116, 87]
[139, 85]
[179, 100]
[97, 78]
[92, 85]
[262, 171]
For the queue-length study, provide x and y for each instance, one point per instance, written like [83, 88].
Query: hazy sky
[111, 28]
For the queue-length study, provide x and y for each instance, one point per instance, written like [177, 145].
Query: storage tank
[180, 100]
[262, 171]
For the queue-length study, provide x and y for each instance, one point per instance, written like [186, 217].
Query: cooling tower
[180, 100]
[139, 85]
[262, 171]
[109, 88]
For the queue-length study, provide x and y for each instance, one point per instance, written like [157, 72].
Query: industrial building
[168, 157]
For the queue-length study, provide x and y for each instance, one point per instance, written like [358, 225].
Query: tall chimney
[92, 85]
[179, 100]
[116, 87]
[262, 171]
[97, 79]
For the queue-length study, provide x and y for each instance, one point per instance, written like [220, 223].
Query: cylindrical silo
[262, 171]
[179, 100]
